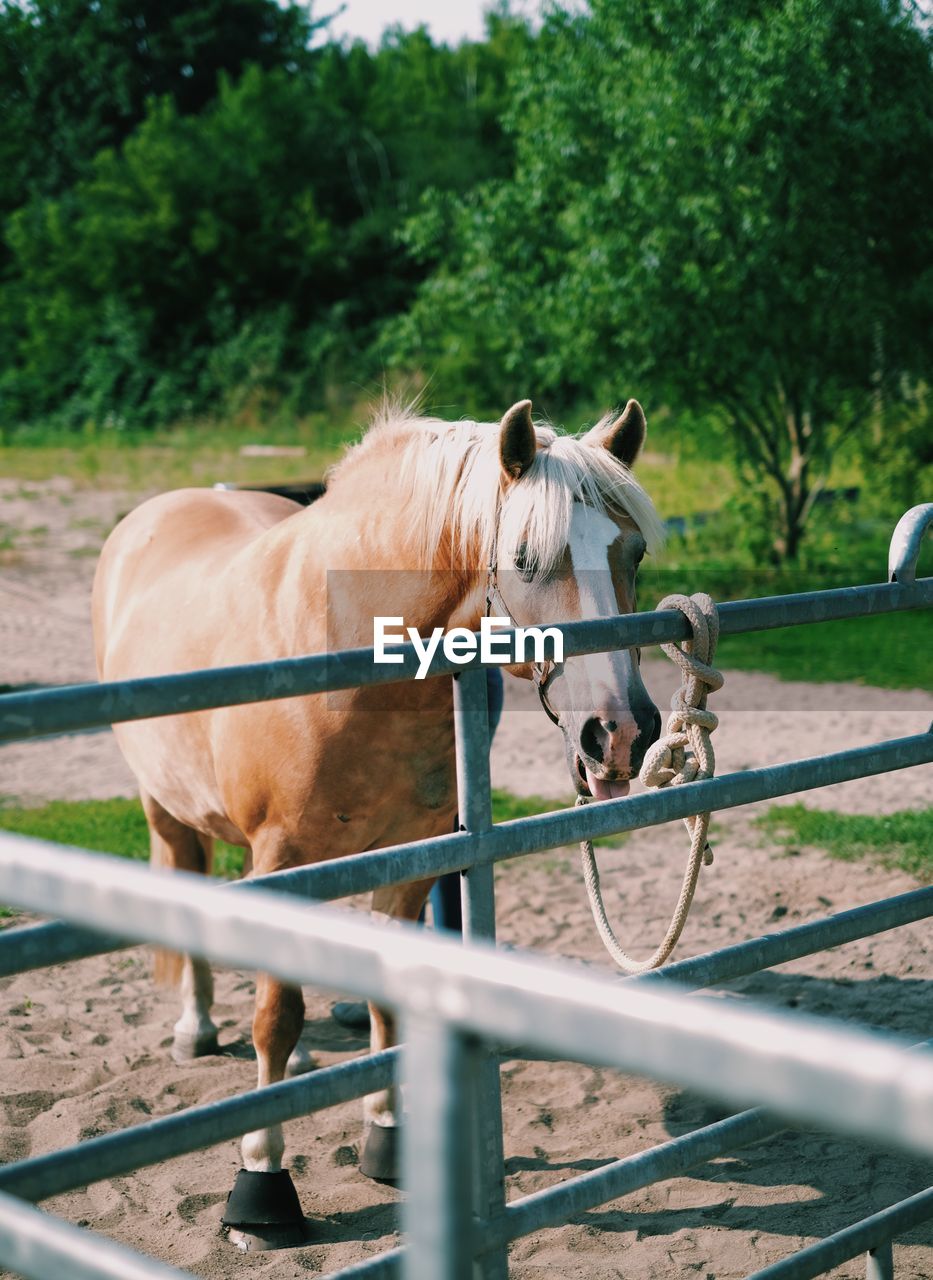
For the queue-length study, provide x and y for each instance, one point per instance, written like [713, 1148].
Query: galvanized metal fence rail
[454, 997]
[463, 1004]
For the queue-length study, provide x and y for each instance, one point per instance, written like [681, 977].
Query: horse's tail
[174, 846]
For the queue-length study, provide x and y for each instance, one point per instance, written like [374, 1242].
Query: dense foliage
[75, 75]
[729, 201]
[724, 206]
[206, 208]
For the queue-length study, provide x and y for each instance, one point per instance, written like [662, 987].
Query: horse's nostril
[610, 726]
[591, 739]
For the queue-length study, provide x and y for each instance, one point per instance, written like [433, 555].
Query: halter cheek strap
[541, 672]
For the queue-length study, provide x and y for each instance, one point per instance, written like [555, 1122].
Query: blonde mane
[451, 472]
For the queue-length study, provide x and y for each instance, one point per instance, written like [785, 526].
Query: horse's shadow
[324, 1034]
[331, 1036]
[846, 1179]
[375, 1222]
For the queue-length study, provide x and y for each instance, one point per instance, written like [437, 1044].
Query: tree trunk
[792, 533]
[795, 485]
[777, 439]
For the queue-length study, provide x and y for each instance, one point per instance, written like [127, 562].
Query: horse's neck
[361, 562]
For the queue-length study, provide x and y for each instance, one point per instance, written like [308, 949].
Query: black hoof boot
[381, 1158]
[263, 1212]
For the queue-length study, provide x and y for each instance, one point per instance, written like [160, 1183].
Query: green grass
[107, 826]
[196, 454]
[843, 549]
[894, 651]
[118, 826]
[204, 453]
[684, 486]
[903, 840]
[506, 806]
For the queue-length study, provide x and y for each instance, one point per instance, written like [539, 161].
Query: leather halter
[541, 672]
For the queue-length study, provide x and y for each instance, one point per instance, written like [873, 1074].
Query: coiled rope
[683, 754]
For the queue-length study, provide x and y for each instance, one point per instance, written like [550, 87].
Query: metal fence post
[906, 540]
[879, 1263]
[471, 723]
[437, 1156]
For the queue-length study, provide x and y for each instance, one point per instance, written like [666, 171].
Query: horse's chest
[432, 780]
[401, 797]
[372, 780]
[421, 782]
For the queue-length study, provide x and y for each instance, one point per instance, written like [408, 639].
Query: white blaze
[591, 535]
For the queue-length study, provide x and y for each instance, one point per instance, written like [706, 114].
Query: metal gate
[462, 1005]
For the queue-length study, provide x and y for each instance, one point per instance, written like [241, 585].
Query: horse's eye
[524, 565]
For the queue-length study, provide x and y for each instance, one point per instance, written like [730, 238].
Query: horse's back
[176, 587]
[168, 558]
[203, 579]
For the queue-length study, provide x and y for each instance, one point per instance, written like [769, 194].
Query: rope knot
[683, 754]
[690, 723]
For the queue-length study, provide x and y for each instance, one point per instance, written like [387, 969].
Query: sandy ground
[84, 1048]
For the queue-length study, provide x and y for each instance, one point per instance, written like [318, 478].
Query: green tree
[420, 120]
[134, 288]
[75, 78]
[75, 74]
[727, 202]
[250, 246]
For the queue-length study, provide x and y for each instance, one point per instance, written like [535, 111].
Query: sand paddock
[84, 1048]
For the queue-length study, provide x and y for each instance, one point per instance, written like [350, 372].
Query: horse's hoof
[194, 1044]
[381, 1158]
[263, 1238]
[351, 1013]
[263, 1212]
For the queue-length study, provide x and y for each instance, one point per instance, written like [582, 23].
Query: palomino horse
[555, 524]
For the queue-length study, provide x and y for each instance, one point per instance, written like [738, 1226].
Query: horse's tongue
[600, 789]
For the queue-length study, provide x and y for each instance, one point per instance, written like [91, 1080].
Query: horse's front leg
[263, 1210]
[382, 1111]
[277, 1024]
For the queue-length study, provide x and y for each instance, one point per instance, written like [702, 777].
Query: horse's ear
[517, 440]
[624, 437]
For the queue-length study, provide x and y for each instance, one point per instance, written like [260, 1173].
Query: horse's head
[573, 528]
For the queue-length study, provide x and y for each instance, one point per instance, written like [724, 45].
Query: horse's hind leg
[174, 845]
[382, 1110]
